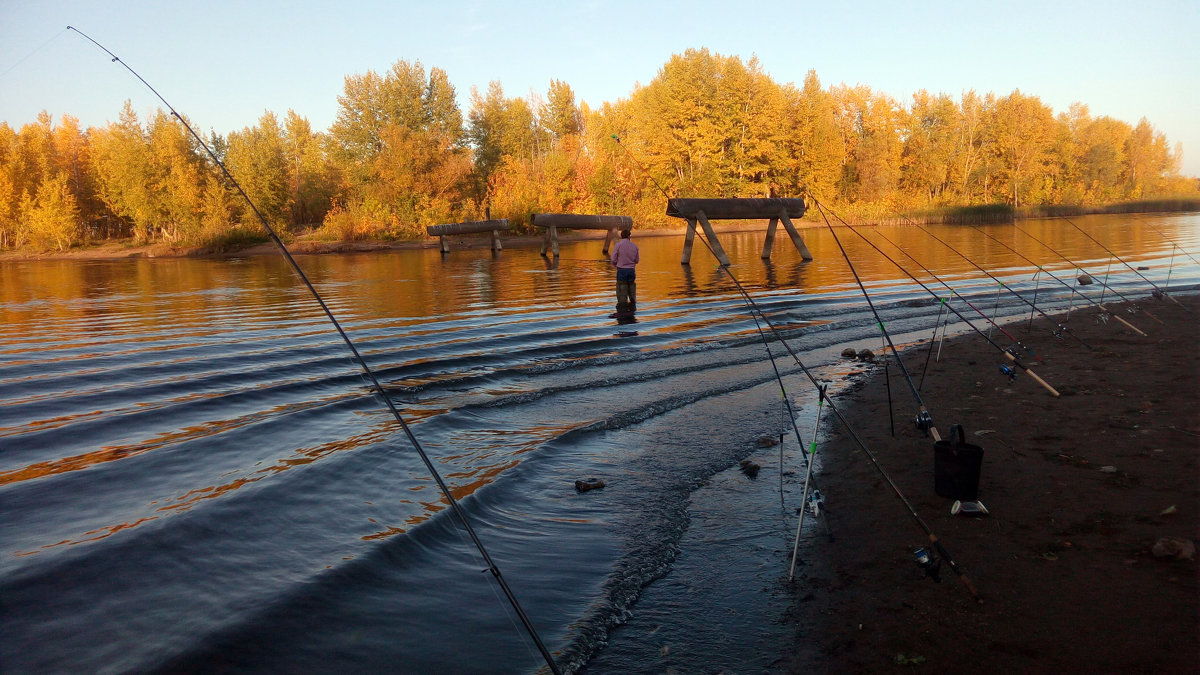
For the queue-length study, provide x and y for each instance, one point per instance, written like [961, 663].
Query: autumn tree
[51, 218]
[1020, 134]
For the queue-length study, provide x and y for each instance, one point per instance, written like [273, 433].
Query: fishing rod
[1061, 328]
[933, 538]
[1133, 303]
[950, 288]
[1101, 306]
[924, 420]
[375, 385]
[1133, 269]
[1007, 353]
[817, 499]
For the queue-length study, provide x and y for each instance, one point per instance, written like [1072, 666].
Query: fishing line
[1007, 353]
[924, 419]
[31, 54]
[1010, 289]
[1122, 261]
[1169, 241]
[936, 325]
[933, 538]
[378, 388]
[991, 321]
[1042, 270]
[1133, 303]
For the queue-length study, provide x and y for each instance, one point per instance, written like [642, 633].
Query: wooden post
[496, 240]
[552, 234]
[791, 230]
[769, 243]
[610, 239]
[687, 242]
[445, 244]
[718, 250]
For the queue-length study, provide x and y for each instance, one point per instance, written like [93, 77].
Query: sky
[224, 63]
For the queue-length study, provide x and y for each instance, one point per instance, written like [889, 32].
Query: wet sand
[1079, 489]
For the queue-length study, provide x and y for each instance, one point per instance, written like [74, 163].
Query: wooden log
[469, 227]
[575, 221]
[736, 209]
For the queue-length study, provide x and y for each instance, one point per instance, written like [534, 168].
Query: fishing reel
[1059, 331]
[924, 422]
[816, 502]
[930, 564]
[1009, 371]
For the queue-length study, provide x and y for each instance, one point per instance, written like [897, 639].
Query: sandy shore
[1080, 489]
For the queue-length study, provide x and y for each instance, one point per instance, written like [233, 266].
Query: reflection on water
[191, 435]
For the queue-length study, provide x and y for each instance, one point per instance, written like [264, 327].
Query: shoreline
[1080, 489]
[308, 245]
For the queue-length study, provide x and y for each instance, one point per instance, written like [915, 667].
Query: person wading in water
[625, 258]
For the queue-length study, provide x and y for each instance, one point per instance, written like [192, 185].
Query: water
[195, 475]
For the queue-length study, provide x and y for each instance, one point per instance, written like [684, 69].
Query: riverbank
[1080, 489]
[314, 245]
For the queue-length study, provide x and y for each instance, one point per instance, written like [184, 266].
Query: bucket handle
[957, 429]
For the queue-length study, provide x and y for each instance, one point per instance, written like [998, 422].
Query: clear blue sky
[223, 63]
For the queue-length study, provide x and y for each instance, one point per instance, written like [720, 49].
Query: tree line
[401, 155]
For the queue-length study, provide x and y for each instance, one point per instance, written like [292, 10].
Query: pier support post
[791, 230]
[718, 250]
[769, 242]
[687, 242]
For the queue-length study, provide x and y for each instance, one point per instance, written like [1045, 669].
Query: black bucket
[956, 466]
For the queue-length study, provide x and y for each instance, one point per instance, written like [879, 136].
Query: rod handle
[1035, 376]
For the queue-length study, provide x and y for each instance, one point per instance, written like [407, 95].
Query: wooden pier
[571, 221]
[775, 210]
[471, 227]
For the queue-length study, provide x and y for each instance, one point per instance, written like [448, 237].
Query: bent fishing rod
[1007, 353]
[1133, 303]
[933, 538]
[375, 385]
[950, 288]
[1061, 327]
[924, 420]
[1122, 261]
[1099, 305]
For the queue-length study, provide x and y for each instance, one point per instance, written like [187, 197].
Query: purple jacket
[624, 254]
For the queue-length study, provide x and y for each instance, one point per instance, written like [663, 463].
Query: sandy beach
[1089, 495]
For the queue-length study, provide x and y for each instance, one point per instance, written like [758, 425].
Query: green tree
[257, 160]
[123, 168]
[560, 115]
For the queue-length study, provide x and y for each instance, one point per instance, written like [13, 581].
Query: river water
[195, 476]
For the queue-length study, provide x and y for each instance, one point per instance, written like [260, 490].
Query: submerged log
[736, 209]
